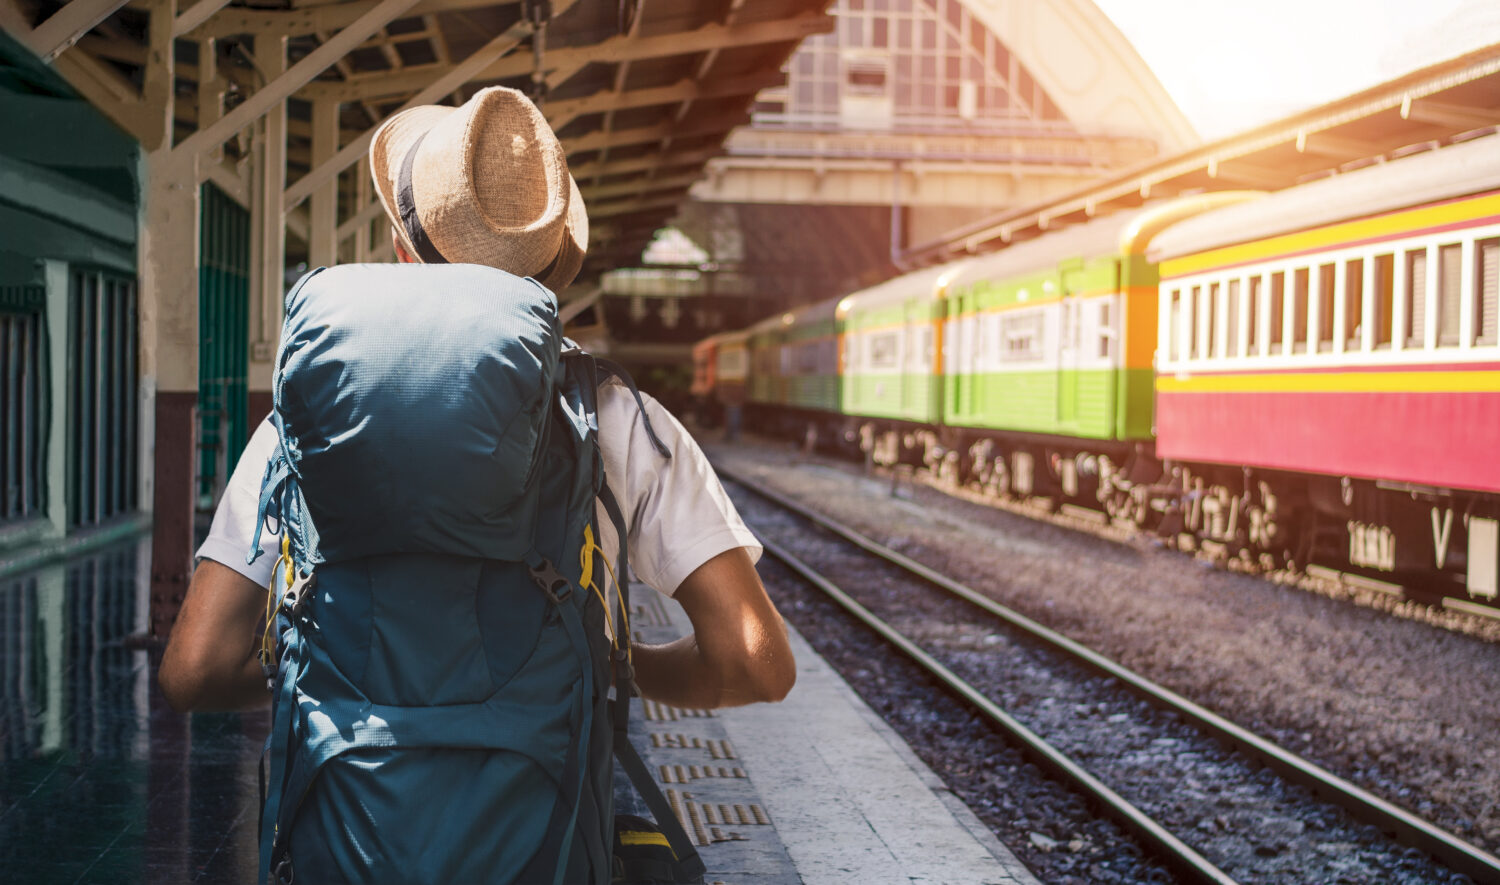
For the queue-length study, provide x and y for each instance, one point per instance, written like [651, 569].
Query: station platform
[101, 782]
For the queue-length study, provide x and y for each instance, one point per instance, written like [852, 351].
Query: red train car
[1328, 356]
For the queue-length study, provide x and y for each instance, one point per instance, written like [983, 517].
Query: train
[1304, 377]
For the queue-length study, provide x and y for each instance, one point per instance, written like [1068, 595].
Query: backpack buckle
[552, 582]
[296, 595]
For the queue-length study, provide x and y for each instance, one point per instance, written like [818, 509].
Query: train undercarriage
[1429, 544]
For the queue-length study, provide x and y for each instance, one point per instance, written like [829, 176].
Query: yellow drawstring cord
[274, 600]
[586, 565]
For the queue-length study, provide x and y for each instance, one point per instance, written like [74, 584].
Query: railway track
[1157, 764]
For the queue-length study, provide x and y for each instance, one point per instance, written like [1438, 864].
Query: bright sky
[1231, 64]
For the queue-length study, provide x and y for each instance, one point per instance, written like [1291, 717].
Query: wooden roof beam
[433, 90]
[625, 208]
[615, 49]
[282, 87]
[109, 93]
[599, 168]
[650, 134]
[638, 187]
[711, 56]
[310, 19]
[561, 113]
[63, 28]
[196, 15]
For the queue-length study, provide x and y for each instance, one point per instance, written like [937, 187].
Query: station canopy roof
[642, 93]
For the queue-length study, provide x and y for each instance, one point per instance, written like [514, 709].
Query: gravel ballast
[1398, 705]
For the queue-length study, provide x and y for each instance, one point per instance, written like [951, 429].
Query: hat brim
[388, 149]
[575, 243]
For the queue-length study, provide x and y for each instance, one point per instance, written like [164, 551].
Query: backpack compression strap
[689, 865]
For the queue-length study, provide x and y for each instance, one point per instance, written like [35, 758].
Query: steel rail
[1175, 854]
[1396, 822]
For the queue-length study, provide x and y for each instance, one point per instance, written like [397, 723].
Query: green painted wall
[904, 397]
[814, 391]
[223, 339]
[1064, 402]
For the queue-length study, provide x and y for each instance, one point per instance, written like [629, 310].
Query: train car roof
[917, 284]
[1090, 240]
[1456, 171]
[817, 312]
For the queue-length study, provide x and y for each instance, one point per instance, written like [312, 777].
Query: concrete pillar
[323, 203]
[55, 278]
[167, 262]
[169, 255]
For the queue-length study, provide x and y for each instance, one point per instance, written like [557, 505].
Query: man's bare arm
[210, 661]
[738, 651]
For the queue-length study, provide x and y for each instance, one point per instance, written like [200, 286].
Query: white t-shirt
[676, 512]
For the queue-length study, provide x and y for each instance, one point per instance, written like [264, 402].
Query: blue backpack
[436, 632]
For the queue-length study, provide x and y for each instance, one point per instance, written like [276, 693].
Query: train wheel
[997, 484]
[948, 469]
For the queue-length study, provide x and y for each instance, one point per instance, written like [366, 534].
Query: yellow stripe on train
[1333, 382]
[1410, 222]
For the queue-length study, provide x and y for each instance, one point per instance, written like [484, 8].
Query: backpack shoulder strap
[689, 864]
[611, 369]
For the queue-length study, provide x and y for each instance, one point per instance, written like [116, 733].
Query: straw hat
[485, 183]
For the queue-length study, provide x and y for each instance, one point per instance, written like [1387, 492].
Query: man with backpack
[452, 497]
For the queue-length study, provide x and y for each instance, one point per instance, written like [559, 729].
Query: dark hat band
[407, 206]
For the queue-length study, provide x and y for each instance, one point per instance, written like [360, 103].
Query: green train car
[1029, 370]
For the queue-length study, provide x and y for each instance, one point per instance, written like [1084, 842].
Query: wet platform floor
[100, 782]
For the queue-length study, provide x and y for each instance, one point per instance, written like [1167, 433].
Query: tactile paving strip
[656, 712]
[682, 774]
[718, 749]
[706, 820]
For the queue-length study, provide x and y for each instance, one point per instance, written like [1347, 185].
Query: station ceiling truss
[277, 101]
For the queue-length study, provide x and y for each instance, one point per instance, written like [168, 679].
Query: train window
[1231, 320]
[1383, 288]
[851, 350]
[1105, 331]
[1252, 317]
[1416, 298]
[1300, 309]
[1354, 302]
[1326, 296]
[1450, 284]
[1174, 326]
[1487, 291]
[1021, 335]
[807, 357]
[1203, 321]
[1278, 310]
[925, 347]
[883, 350]
[1215, 320]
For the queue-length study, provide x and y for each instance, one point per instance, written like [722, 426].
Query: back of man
[450, 646]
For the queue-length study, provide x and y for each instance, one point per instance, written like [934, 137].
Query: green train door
[223, 340]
